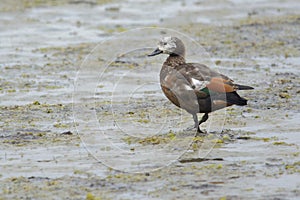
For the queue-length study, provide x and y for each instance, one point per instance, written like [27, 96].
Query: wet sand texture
[43, 44]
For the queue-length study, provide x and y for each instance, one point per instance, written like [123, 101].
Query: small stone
[217, 62]
[284, 95]
[36, 103]
[67, 133]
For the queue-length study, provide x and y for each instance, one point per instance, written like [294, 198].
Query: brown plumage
[192, 86]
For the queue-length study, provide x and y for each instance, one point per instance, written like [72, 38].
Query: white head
[169, 45]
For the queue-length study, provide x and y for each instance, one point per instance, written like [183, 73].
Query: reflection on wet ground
[43, 46]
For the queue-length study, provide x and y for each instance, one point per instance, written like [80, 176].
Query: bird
[195, 87]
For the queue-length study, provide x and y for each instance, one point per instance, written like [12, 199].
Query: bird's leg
[197, 123]
[195, 117]
[204, 118]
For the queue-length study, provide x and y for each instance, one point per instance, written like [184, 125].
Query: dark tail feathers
[244, 87]
[234, 98]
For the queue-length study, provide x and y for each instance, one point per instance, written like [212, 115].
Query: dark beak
[155, 52]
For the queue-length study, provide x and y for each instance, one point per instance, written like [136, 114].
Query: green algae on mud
[259, 148]
[31, 128]
[9, 6]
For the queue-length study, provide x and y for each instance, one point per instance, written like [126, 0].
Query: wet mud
[44, 156]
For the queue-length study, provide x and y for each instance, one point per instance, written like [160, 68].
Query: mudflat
[59, 141]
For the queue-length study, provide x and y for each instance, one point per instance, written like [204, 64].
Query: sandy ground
[83, 117]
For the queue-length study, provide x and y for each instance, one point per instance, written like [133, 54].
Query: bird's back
[192, 86]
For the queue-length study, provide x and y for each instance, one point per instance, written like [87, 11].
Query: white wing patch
[188, 87]
[199, 84]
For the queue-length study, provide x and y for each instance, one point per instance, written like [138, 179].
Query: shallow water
[123, 120]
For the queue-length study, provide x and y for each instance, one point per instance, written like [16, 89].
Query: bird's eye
[165, 43]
